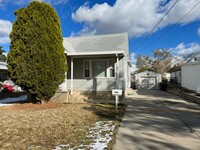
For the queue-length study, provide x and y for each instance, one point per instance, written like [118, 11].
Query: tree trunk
[31, 98]
[42, 101]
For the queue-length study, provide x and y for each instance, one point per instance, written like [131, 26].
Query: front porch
[100, 72]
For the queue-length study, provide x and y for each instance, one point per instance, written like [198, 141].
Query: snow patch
[101, 134]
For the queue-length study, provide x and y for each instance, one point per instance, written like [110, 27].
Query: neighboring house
[3, 71]
[193, 57]
[97, 63]
[175, 75]
[190, 76]
[148, 80]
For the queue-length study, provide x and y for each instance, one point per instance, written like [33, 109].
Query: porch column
[72, 72]
[117, 72]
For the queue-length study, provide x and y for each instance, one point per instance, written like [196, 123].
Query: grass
[45, 126]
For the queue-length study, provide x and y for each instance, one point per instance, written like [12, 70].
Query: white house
[97, 63]
[148, 80]
[3, 71]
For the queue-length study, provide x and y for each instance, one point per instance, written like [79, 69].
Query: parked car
[10, 86]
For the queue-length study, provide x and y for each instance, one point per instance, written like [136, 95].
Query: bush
[164, 79]
[163, 86]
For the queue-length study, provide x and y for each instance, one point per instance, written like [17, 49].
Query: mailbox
[116, 92]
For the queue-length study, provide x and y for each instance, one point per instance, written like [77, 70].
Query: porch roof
[121, 53]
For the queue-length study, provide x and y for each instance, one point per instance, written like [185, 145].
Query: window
[3, 75]
[99, 68]
[87, 69]
[111, 68]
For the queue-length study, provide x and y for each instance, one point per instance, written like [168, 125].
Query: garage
[148, 80]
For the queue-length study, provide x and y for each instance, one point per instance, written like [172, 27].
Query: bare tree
[143, 63]
[162, 61]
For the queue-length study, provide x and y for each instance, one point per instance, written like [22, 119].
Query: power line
[158, 38]
[156, 25]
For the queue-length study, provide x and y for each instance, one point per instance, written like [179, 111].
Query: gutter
[95, 53]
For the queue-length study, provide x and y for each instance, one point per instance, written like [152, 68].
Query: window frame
[84, 68]
[111, 67]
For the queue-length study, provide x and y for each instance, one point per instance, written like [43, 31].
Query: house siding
[176, 76]
[95, 84]
[190, 78]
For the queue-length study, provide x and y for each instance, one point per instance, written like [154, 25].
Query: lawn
[57, 126]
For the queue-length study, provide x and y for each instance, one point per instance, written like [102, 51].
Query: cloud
[84, 32]
[133, 58]
[183, 50]
[198, 31]
[133, 68]
[133, 61]
[135, 17]
[5, 29]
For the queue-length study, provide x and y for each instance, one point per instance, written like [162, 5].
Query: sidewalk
[157, 120]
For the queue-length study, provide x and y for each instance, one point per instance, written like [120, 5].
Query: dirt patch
[34, 126]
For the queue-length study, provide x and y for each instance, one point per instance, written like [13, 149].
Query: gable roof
[99, 44]
[147, 72]
[192, 63]
[193, 57]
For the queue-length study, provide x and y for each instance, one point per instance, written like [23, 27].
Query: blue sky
[137, 17]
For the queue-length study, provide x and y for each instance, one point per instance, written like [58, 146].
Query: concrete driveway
[157, 120]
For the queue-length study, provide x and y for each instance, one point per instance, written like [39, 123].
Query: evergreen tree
[36, 60]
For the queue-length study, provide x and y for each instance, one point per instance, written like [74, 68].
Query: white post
[117, 72]
[72, 72]
[116, 103]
